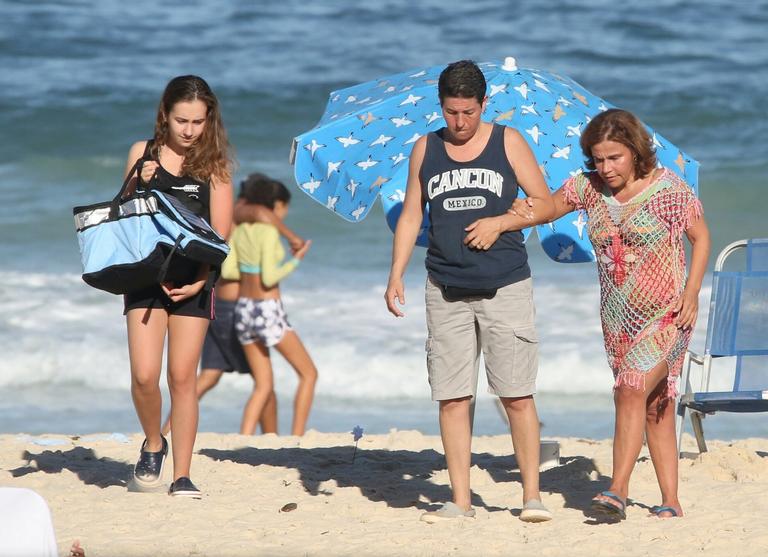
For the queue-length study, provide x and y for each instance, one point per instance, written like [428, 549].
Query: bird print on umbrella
[360, 148]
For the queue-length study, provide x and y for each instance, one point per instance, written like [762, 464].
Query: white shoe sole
[187, 494]
[148, 486]
[436, 519]
[144, 485]
[530, 515]
[433, 518]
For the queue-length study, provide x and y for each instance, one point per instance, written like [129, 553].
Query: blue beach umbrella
[360, 148]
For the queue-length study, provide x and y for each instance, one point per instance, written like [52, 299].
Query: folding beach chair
[738, 329]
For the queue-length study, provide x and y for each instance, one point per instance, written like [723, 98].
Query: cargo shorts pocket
[526, 354]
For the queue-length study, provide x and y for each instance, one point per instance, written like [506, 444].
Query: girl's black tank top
[193, 193]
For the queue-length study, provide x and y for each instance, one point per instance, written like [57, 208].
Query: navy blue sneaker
[148, 472]
[183, 487]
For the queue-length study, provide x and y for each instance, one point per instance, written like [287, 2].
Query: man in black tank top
[478, 292]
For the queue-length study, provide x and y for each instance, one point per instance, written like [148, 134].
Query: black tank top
[458, 193]
[193, 193]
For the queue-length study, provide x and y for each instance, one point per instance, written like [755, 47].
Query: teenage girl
[188, 157]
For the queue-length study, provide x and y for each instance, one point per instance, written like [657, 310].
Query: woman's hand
[148, 170]
[687, 309]
[177, 294]
[296, 243]
[522, 208]
[482, 233]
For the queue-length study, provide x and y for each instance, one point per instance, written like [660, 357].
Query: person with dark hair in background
[222, 352]
[479, 295]
[260, 319]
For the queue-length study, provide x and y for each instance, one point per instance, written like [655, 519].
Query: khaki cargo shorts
[501, 328]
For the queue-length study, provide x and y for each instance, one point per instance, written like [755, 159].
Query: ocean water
[82, 81]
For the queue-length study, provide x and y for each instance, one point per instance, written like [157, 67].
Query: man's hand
[395, 291]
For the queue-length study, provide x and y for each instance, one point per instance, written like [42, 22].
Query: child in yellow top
[258, 250]
[222, 351]
[260, 319]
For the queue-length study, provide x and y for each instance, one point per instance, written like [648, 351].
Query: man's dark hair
[462, 79]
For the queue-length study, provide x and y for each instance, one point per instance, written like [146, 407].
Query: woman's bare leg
[206, 380]
[146, 340]
[662, 444]
[294, 352]
[268, 420]
[261, 369]
[631, 408]
[185, 342]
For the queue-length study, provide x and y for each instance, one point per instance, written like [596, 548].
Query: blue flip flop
[607, 509]
[656, 510]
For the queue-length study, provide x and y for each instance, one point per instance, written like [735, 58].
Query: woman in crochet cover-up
[638, 214]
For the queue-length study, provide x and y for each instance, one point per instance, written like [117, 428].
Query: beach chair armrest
[696, 358]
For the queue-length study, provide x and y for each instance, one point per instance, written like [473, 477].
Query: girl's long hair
[211, 154]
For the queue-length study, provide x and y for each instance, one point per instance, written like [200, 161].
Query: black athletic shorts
[221, 349]
[199, 305]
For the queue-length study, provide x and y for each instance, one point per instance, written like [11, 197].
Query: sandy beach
[372, 506]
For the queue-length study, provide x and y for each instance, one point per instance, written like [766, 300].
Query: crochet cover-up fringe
[631, 379]
[637, 381]
[690, 217]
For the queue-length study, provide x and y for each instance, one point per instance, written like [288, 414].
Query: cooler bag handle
[167, 263]
[114, 206]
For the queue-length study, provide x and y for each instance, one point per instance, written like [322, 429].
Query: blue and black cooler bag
[132, 243]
